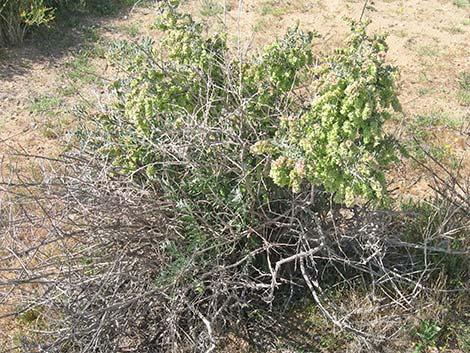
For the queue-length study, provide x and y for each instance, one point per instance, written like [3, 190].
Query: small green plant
[45, 104]
[211, 8]
[54, 127]
[18, 17]
[421, 142]
[464, 81]
[462, 333]
[91, 34]
[325, 337]
[462, 3]
[272, 8]
[81, 70]
[435, 119]
[464, 92]
[427, 333]
[453, 29]
[259, 26]
[131, 30]
[30, 316]
[428, 50]
[424, 91]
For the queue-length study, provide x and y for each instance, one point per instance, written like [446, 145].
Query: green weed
[91, 34]
[259, 26]
[131, 30]
[423, 77]
[423, 91]
[211, 8]
[45, 104]
[81, 71]
[462, 334]
[453, 29]
[427, 50]
[272, 8]
[55, 128]
[325, 338]
[68, 91]
[464, 92]
[464, 81]
[30, 316]
[427, 334]
[462, 3]
[435, 119]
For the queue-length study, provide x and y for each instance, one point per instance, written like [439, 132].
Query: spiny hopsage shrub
[198, 125]
[333, 137]
[17, 17]
[201, 125]
[186, 115]
[338, 141]
[198, 84]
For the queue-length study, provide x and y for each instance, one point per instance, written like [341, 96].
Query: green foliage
[464, 92]
[177, 126]
[427, 334]
[462, 333]
[154, 100]
[338, 141]
[202, 125]
[98, 7]
[17, 17]
[335, 141]
[211, 8]
[45, 104]
[131, 30]
[464, 80]
[30, 316]
[462, 3]
[422, 141]
[272, 8]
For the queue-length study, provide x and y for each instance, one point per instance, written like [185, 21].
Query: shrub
[175, 222]
[17, 17]
[330, 135]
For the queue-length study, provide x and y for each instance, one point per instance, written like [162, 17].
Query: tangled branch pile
[205, 192]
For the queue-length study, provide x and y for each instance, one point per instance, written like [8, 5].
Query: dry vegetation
[54, 74]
